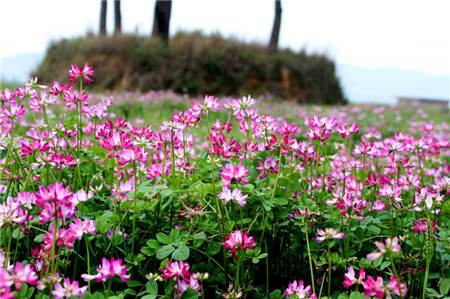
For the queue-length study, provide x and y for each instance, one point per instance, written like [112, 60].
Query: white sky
[407, 34]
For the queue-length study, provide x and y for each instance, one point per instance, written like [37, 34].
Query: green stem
[134, 206]
[329, 269]
[88, 262]
[7, 153]
[309, 258]
[398, 278]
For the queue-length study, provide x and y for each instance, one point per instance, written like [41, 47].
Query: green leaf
[213, 249]
[378, 261]
[164, 252]
[174, 235]
[181, 253]
[163, 238]
[262, 255]
[190, 294]
[133, 283]
[152, 289]
[148, 251]
[385, 264]
[255, 260]
[279, 201]
[444, 286]
[199, 236]
[276, 294]
[153, 244]
[360, 234]
[374, 230]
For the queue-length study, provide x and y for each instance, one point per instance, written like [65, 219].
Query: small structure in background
[424, 103]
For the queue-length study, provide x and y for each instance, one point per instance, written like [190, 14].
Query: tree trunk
[117, 18]
[273, 44]
[103, 17]
[161, 19]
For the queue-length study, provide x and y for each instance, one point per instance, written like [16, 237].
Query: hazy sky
[406, 34]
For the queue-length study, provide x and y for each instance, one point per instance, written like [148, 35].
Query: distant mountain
[383, 85]
[17, 69]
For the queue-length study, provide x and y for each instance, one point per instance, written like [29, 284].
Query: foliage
[196, 64]
[342, 203]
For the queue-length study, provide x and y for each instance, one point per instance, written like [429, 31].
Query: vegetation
[196, 64]
[220, 199]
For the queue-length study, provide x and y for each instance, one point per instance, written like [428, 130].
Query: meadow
[162, 195]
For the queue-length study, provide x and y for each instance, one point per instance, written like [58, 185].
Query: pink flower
[210, 104]
[390, 245]
[79, 228]
[188, 283]
[421, 225]
[76, 73]
[108, 270]
[394, 287]
[374, 287]
[238, 240]
[69, 289]
[350, 277]
[177, 270]
[14, 112]
[298, 289]
[230, 172]
[53, 193]
[23, 274]
[345, 132]
[328, 233]
[236, 196]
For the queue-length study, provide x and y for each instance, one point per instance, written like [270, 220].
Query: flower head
[77, 72]
[238, 240]
[389, 246]
[328, 233]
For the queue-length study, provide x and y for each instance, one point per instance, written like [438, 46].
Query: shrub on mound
[196, 64]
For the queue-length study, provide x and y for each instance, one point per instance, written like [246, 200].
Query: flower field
[159, 195]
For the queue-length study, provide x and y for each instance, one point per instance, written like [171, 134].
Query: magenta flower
[345, 132]
[350, 278]
[390, 245]
[236, 196]
[23, 274]
[53, 193]
[210, 104]
[177, 270]
[238, 240]
[188, 283]
[69, 289]
[297, 288]
[79, 228]
[230, 172]
[374, 287]
[328, 233]
[421, 225]
[108, 270]
[14, 112]
[77, 72]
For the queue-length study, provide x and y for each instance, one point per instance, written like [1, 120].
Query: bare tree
[161, 19]
[103, 17]
[273, 44]
[117, 18]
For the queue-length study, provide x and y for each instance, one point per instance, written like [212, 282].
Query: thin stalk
[397, 278]
[329, 269]
[134, 206]
[88, 262]
[310, 261]
[7, 153]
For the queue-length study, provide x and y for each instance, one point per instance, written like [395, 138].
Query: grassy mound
[196, 64]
